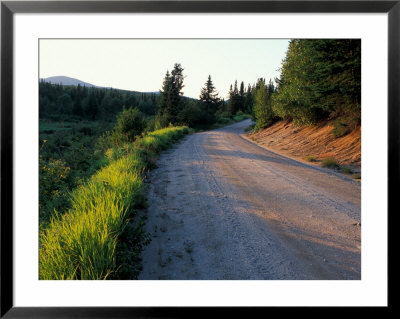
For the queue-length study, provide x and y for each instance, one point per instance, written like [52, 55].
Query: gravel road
[221, 207]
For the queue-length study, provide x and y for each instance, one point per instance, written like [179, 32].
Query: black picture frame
[9, 8]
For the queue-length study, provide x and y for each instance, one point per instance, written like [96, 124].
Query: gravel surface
[221, 207]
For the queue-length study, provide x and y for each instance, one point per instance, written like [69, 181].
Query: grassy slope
[81, 244]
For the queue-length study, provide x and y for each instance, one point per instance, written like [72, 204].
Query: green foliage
[344, 125]
[262, 108]
[347, 170]
[319, 78]
[209, 97]
[83, 243]
[128, 249]
[330, 162]
[170, 98]
[54, 182]
[340, 129]
[195, 115]
[92, 107]
[130, 124]
[57, 102]
[249, 101]
[240, 116]
[69, 154]
[156, 122]
[223, 117]
[236, 101]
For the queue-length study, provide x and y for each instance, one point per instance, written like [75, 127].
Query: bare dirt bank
[316, 141]
[221, 207]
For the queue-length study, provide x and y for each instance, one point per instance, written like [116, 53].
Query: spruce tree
[234, 99]
[77, 108]
[241, 98]
[91, 108]
[171, 95]
[249, 101]
[320, 79]
[209, 96]
[262, 108]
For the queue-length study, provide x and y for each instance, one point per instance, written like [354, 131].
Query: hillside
[315, 141]
[65, 80]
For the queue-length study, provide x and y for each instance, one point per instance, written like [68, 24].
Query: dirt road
[221, 207]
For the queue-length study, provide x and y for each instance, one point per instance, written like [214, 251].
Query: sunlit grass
[81, 244]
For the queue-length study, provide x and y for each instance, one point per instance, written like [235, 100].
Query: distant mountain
[65, 80]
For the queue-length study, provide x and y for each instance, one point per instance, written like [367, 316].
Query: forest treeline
[168, 106]
[320, 79]
[62, 103]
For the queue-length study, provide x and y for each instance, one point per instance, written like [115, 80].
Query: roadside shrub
[160, 121]
[130, 123]
[195, 115]
[240, 117]
[223, 120]
[347, 170]
[340, 129]
[54, 184]
[223, 114]
[330, 162]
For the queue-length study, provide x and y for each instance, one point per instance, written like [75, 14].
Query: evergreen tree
[320, 78]
[92, 108]
[235, 89]
[262, 108]
[171, 95]
[242, 97]
[222, 105]
[234, 99]
[64, 103]
[249, 101]
[56, 101]
[209, 96]
[131, 100]
[230, 93]
[270, 88]
[77, 108]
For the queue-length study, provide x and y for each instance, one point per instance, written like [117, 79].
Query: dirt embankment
[314, 141]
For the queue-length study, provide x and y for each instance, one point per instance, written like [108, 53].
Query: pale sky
[141, 64]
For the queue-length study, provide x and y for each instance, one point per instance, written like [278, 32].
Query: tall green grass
[81, 244]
